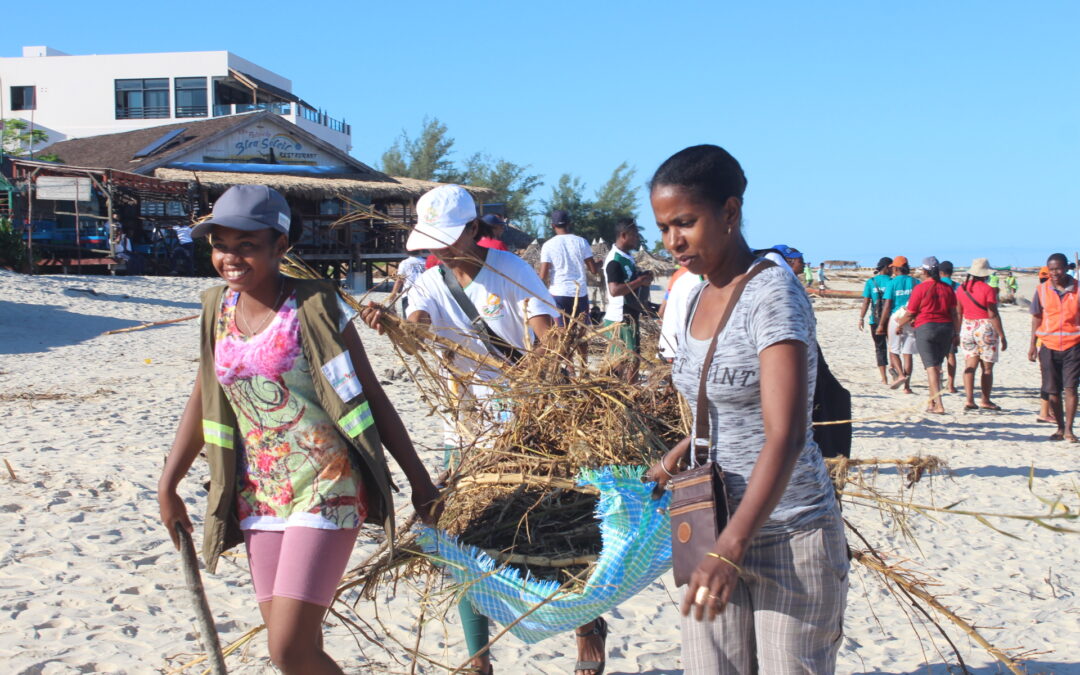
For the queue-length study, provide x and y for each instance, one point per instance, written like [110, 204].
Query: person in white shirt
[187, 248]
[565, 257]
[511, 301]
[408, 271]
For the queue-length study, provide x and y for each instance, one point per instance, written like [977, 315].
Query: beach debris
[10, 470]
[51, 396]
[203, 617]
[150, 325]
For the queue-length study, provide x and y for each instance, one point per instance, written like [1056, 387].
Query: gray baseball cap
[248, 208]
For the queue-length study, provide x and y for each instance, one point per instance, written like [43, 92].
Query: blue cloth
[948, 282]
[875, 290]
[636, 534]
[899, 290]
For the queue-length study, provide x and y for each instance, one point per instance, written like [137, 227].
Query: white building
[78, 96]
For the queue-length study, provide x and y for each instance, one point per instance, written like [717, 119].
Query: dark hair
[946, 267]
[1060, 257]
[625, 225]
[483, 229]
[934, 273]
[904, 269]
[708, 172]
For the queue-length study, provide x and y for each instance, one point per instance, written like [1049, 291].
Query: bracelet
[738, 569]
[664, 469]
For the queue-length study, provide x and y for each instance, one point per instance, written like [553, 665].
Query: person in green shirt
[945, 269]
[874, 300]
[901, 339]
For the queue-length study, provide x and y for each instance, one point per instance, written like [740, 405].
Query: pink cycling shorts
[303, 563]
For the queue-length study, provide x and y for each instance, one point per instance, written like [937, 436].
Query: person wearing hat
[874, 300]
[931, 308]
[901, 337]
[982, 335]
[566, 257]
[511, 305]
[293, 422]
[1055, 321]
[493, 226]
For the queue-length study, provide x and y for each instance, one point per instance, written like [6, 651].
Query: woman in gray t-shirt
[770, 595]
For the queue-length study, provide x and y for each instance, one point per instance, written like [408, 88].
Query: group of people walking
[938, 317]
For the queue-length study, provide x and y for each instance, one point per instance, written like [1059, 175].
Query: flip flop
[1057, 437]
[1045, 420]
[898, 383]
[600, 628]
[992, 406]
[970, 406]
[1072, 439]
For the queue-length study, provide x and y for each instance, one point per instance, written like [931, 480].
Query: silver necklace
[269, 317]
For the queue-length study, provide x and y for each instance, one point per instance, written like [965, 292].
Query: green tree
[614, 200]
[426, 157]
[512, 183]
[18, 140]
[595, 217]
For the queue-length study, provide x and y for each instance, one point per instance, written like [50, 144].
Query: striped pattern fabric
[357, 421]
[636, 535]
[785, 615]
[217, 434]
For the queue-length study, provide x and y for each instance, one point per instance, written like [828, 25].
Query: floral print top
[293, 468]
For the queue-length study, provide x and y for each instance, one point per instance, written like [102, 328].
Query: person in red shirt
[981, 334]
[932, 310]
[496, 225]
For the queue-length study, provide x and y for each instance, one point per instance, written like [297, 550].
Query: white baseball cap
[441, 217]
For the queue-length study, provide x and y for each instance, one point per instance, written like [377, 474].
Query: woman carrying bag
[768, 592]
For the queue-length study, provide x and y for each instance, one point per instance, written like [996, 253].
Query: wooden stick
[524, 479]
[11, 472]
[203, 617]
[539, 560]
[150, 325]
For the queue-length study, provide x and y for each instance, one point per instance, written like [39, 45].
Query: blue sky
[865, 128]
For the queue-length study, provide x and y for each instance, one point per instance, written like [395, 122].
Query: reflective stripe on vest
[218, 434]
[357, 421]
[1055, 311]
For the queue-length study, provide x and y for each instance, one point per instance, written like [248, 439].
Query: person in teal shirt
[874, 300]
[900, 339]
[945, 269]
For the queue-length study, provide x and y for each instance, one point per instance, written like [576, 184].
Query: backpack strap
[496, 346]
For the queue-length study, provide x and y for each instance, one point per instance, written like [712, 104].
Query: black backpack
[831, 403]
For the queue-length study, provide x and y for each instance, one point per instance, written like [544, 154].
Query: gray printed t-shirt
[773, 308]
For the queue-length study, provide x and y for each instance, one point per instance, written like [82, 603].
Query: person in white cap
[931, 309]
[511, 306]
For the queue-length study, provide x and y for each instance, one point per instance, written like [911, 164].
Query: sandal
[1059, 436]
[970, 406]
[600, 628]
[992, 406]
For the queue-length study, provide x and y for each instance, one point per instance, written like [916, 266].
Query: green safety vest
[321, 342]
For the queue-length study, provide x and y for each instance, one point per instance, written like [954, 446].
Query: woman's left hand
[710, 586]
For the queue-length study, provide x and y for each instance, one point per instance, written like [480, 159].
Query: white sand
[90, 583]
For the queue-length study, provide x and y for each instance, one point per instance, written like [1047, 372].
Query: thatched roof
[600, 249]
[391, 188]
[658, 266]
[531, 254]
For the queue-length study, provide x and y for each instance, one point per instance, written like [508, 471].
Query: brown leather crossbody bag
[699, 504]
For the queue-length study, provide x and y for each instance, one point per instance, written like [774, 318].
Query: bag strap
[496, 346]
[978, 304]
[701, 423]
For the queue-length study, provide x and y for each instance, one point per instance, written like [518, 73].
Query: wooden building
[353, 216]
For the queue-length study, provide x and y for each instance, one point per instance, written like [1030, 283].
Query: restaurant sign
[263, 144]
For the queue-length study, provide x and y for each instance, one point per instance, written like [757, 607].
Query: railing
[191, 111]
[319, 117]
[276, 108]
[142, 113]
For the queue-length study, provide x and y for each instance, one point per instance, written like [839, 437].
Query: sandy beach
[89, 581]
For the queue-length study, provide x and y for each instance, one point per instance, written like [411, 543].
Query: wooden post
[78, 236]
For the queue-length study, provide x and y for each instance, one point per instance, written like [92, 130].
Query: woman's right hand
[173, 511]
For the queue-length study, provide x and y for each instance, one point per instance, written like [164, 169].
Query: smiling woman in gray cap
[932, 310]
[293, 422]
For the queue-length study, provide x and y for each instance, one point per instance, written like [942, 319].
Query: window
[142, 99]
[22, 98]
[191, 97]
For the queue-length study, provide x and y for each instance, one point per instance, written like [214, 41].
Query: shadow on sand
[81, 292]
[26, 328]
